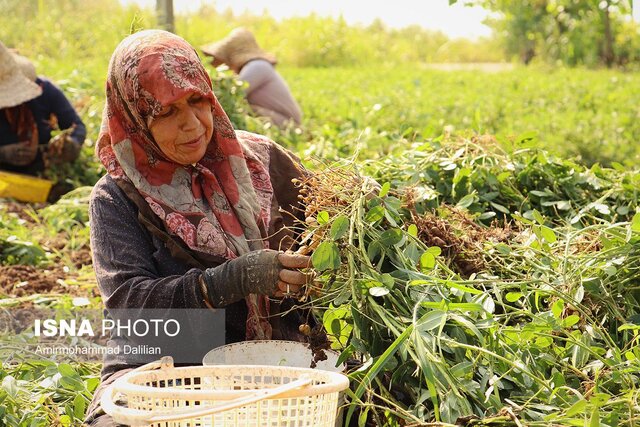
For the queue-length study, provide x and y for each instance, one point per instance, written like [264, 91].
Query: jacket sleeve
[126, 272]
[64, 111]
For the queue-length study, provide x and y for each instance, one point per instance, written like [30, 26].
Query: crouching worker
[30, 107]
[268, 93]
[191, 214]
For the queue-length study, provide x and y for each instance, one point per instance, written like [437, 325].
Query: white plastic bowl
[271, 353]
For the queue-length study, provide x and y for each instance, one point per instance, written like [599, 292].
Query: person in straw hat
[268, 93]
[30, 107]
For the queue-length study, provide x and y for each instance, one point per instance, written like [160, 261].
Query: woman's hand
[18, 154]
[263, 272]
[62, 149]
[290, 278]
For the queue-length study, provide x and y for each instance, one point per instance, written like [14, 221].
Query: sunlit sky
[455, 21]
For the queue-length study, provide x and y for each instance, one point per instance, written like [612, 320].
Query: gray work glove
[263, 272]
[18, 154]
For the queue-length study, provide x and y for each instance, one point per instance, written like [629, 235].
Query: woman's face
[184, 128]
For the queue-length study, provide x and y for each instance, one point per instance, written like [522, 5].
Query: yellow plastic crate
[24, 188]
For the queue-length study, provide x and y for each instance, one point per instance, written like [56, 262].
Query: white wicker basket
[161, 395]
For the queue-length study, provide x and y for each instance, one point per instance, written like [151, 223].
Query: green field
[493, 278]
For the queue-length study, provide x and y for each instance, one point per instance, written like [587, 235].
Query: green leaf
[540, 193]
[569, 321]
[448, 165]
[461, 173]
[445, 305]
[374, 214]
[622, 210]
[65, 420]
[466, 201]
[543, 342]
[503, 249]
[577, 408]
[462, 369]
[539, 218]
[412, 230]
[465, 306]
[339, 227]
[385, 189]
[67, 370]
[10, 385]
[513, 296]
[323, 217]
[431, 320]
[578, 295]
[71, 383]
[557, 308]
[70, 378]
[387, 280]
[335, 327]
[635, 223]
[595, 418]
[435, 250]
[465, 322]
[500, 208]
[391, 237]
[463, 288]
[618, 166]
[79, 406]
[326, 256]
[548, 234]
[373, 250]
[92, 384]
[427, 261]
[334, 322]
[599, 399]
[487, 215]
[364, 414]
[629, 326]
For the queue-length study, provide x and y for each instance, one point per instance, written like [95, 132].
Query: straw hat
[235, 50]
[15, 87]
[26, 66]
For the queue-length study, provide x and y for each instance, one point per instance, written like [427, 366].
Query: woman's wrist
[253, 273]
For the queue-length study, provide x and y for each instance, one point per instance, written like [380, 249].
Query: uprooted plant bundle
[532, 319]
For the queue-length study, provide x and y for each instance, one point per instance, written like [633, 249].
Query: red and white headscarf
[218, 206]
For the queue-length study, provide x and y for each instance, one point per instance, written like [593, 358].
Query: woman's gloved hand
[18, 154]
[263, 272]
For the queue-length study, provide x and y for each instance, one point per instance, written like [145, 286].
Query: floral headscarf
[218, 206]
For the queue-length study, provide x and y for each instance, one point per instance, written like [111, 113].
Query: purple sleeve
[256, 73]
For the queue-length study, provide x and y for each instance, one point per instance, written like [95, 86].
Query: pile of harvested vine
[532, 320]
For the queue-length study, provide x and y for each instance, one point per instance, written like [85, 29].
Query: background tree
[572, 32]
